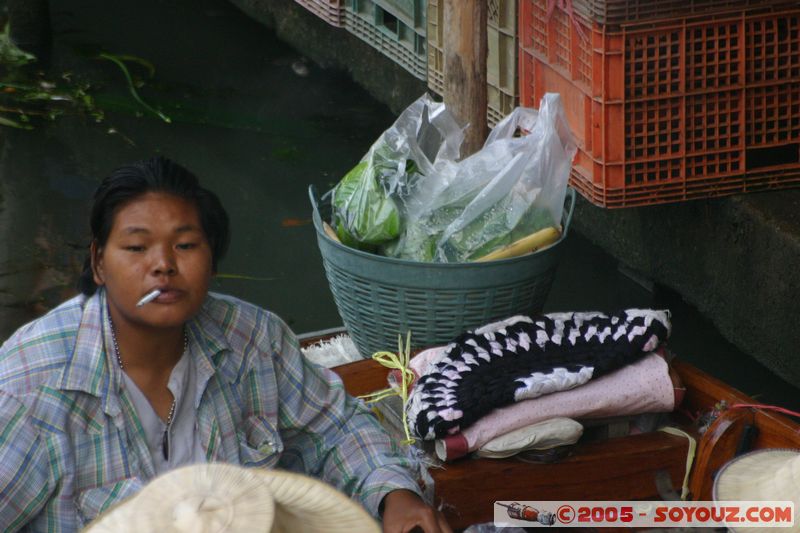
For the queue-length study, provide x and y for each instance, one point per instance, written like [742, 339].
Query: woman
[105, 392]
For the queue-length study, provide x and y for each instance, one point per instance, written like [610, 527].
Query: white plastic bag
[514, 186]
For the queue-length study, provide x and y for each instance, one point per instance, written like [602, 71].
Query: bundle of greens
[364, 216]
[366, 210]
[496, 227]
[371, 202]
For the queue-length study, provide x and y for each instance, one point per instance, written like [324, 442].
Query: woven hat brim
[232, 499]
[307, 504]
[761, 475]
[220, 497]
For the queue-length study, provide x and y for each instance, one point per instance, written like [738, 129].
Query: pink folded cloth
[640, 387]
[527, 357]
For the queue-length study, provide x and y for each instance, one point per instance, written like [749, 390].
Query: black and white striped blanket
[524, 358]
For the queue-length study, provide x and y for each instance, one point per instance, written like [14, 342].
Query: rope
[781, 410]
[398, 361]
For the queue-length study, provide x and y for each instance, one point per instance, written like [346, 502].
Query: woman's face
[156, 242]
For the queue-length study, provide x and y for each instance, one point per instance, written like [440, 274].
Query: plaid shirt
[71, 443]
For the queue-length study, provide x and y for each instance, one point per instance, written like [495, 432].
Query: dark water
[253, 130]
[258, 134]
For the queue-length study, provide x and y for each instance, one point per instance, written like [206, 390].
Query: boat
[646, 466]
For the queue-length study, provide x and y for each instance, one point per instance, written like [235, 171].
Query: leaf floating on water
[10, 54]
[55, 100]
[115, 131]
[14, 124]
[241, 276]
[119, 61]
[148, 66]
[295, 222]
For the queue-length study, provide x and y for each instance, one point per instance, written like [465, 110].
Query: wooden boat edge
[617, 469]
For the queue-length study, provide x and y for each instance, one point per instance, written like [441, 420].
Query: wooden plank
[775, 431]
[726, 435]
[465, 50]
[717, 447]
[616, 469]
[362, 377]
[703, 390]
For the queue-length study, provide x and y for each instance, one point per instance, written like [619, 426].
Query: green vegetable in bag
[492, 230]
[362, 212]
[371, 202]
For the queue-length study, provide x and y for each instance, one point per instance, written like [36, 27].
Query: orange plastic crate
[627, 11]
[682, 109]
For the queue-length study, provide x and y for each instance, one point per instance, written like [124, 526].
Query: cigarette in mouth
[149, 297]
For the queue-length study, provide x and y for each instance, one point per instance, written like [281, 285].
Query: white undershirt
[184, 440]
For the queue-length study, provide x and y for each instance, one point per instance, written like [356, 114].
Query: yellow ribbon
[689, 456]
[398, 361]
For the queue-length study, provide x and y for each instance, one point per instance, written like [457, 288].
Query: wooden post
[465, 67]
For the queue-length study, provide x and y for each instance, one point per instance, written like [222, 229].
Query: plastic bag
[512, 187]
[369, 202]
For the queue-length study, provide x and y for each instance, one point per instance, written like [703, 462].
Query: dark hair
[157, 174]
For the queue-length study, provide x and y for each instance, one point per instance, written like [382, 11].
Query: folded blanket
[642, 387]
[525, 358]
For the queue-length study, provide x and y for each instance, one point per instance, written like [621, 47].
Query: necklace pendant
[165, 444]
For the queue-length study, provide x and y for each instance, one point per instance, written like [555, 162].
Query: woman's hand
[403, 511]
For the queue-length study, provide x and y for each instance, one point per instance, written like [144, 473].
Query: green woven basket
[380, 297]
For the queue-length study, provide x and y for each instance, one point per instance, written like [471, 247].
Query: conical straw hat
[217, 498]
[762, 475]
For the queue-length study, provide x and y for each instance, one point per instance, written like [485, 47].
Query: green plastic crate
[411, 12]
[380, 297]
[397, 33]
